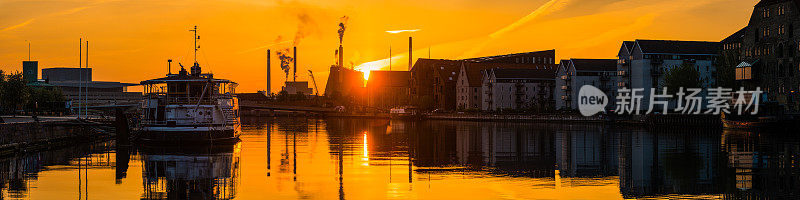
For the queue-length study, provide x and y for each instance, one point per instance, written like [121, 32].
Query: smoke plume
[305, 27]
[286, 60]
[342, 27]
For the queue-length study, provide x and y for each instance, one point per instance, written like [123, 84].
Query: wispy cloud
[403, 31]
[60, 13]
[25, 23]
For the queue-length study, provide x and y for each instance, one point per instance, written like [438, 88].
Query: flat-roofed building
[94, 92]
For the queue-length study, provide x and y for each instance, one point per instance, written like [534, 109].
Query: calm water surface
[299, 158]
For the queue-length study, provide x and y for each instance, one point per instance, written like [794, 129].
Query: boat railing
[182, 100]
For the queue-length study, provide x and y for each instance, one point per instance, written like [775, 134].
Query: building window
[781, 10]
[765, 12]
[781, 29]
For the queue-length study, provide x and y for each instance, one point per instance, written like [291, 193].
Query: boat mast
[195, 43]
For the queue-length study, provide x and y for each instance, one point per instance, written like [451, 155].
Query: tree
[283, 95]
[15, 92]
[43, 98]
[726, 70]
[685, 75]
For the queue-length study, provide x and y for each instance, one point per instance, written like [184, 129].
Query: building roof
[39, 84]
[735, 37]
[475, 71]
[448, 71]
[498, 57]
[425, 62]
[770, 2]
[389, 79]
[629, 45]
[524, 73]
[594, 64]
[678, 47]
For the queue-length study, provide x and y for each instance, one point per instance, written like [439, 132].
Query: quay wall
[15, 137]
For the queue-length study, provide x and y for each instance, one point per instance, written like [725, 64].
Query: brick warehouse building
[434, 81]
[768, 48]
[388, 89]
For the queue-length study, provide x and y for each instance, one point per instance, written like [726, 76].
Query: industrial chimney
[410, 57]
[268, 73]
[341, 56]
[294, 74]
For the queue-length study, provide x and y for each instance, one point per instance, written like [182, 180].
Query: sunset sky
[131, 40]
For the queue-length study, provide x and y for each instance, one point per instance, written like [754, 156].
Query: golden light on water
[366, 150]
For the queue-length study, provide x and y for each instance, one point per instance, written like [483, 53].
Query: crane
[313, 81]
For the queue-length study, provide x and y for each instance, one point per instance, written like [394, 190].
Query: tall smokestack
[294, 74]
[268, 71]
[341, 56]
[410, 56]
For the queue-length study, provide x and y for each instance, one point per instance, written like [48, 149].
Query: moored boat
[189, 107]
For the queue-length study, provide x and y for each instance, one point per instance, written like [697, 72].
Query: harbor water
[337, 158]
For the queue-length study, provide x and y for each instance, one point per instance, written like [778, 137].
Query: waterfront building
[469, 91]
[424, 81]
[388, 89]
[469, 88]
[573, 74]
[434, 81]
[769, 52]
[643, 63]
[518, 89]
[94, 92]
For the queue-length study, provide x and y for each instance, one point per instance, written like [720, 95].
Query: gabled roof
[735, 37]
[565, 65]
[594, 64]
[524, 73]
[678, 47]
[475, 71]
[551, 52]
[448, 71]
[628, 45]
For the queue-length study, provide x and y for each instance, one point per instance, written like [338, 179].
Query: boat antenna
[195, 43]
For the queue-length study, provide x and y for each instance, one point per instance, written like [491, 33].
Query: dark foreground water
[298, 158]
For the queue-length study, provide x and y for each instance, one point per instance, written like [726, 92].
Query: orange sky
[130, 40]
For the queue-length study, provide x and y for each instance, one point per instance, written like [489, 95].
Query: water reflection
[190, 172]
[303, 158]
